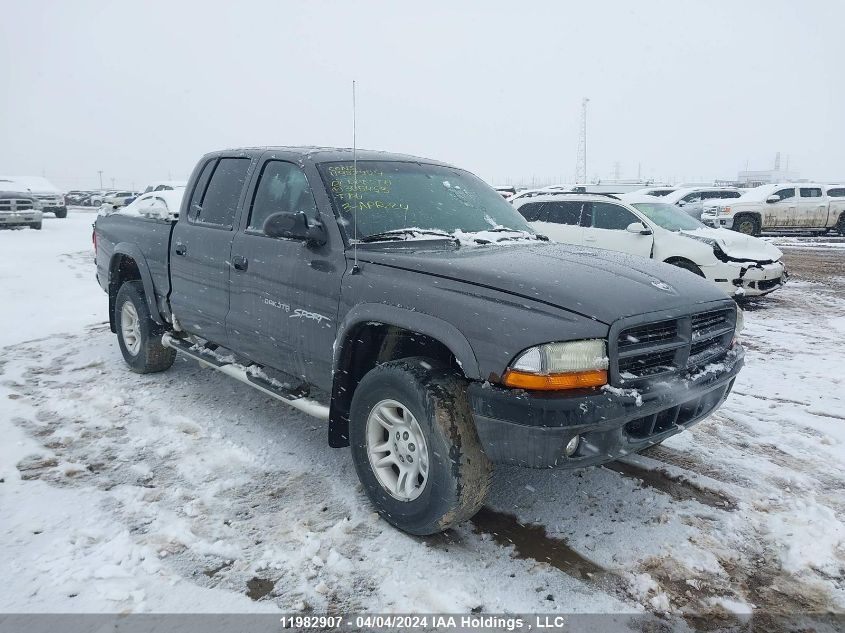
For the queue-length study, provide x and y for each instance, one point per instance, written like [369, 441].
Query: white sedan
[645, 225]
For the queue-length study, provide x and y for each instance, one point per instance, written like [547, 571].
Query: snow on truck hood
[737, 245]
[599, 284]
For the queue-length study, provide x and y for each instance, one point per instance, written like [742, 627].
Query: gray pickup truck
[411, 307]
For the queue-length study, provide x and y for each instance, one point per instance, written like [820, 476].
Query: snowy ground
[187, 491]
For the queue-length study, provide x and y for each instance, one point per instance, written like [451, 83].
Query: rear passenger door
[606, 226]
[560, 220]
[811, 209]
[201, 245]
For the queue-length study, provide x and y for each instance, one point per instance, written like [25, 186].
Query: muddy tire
[36, 226]
[415, 446]
[840, 225]
[138, 336]
[686, 265]
[747, 225]
[61, 213]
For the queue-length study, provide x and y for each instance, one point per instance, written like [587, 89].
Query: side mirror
[639, 228]
[681, 203]
[294, 226]
[773, 199]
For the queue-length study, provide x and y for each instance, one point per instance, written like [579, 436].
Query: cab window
[533, 212]
[811, 192]
[282, 188]
[784, 194]
[561, 212]
[839, 192]
[611, 216]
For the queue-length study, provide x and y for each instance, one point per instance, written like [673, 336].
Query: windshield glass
[392, 195]
[668, 216]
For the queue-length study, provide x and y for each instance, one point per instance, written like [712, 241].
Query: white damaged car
[645, 225]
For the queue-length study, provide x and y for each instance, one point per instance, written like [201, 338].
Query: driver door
[606, 226]
[284, 293]
[781, 213]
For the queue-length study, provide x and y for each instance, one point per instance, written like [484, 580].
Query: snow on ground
[187, 491]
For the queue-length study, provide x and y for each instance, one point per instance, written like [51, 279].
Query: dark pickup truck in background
[405, 302]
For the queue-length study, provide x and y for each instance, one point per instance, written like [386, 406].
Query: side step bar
[239, 372]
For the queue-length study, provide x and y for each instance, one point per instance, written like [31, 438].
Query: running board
[239, 372]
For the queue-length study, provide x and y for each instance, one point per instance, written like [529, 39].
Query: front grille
[15, 204]
[650, 333]
[679, 415]
[644, 351]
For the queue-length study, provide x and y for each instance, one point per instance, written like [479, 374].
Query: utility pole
[581, 160]
[617, 170]
[112, 182]
[101, 179]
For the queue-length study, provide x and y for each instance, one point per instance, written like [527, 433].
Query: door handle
[181, 249]
[239, 262]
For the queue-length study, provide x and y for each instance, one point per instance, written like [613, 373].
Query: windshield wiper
[520, 235]
[397, 235]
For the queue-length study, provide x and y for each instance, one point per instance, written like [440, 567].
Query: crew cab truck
[411, 307]
[783, 207]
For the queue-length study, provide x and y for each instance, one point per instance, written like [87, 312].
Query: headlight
[553, 366]
[725, 210]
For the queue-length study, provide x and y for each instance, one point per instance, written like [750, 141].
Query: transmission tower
[581, 161]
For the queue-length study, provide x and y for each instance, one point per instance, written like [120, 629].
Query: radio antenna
[354, 183]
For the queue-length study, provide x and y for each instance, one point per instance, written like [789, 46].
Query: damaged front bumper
[532, 429]
[747, 279]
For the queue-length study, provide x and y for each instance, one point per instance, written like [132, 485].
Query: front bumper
[20, 218]
[532, 428]
[716, 221]
[747, 279]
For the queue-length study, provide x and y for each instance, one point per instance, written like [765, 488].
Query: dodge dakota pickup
[407, 304]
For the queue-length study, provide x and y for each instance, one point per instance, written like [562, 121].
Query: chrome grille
[10, 205]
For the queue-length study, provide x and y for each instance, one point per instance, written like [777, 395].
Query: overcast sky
[680, 90]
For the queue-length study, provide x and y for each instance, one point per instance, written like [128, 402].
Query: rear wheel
[415, 446]
[36, 226]
[138, 336]
[840, 225]
[747, 224]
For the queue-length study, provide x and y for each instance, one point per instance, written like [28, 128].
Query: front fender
[434, 327]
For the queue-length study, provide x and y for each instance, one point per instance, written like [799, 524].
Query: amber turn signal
[554, 382]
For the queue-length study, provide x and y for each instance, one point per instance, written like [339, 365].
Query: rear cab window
[838, 192]
[811, 192]
[214, 201]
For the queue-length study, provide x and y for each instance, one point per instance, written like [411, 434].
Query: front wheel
[747, 225]
[61, 213]
[840, 225]
[36, 226]
[138, 336]
[415, 446]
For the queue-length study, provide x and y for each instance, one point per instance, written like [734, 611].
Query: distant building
[766, 177]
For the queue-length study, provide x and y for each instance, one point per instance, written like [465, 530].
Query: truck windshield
[388, 196]
[668, 216]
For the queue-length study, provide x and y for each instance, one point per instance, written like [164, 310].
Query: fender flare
[414, 321]
[133, 252]
[384, 314]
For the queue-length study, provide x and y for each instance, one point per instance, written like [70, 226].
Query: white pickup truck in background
[790, 206]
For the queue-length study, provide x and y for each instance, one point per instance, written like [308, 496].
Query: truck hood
[598, 284]
[736, 245]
